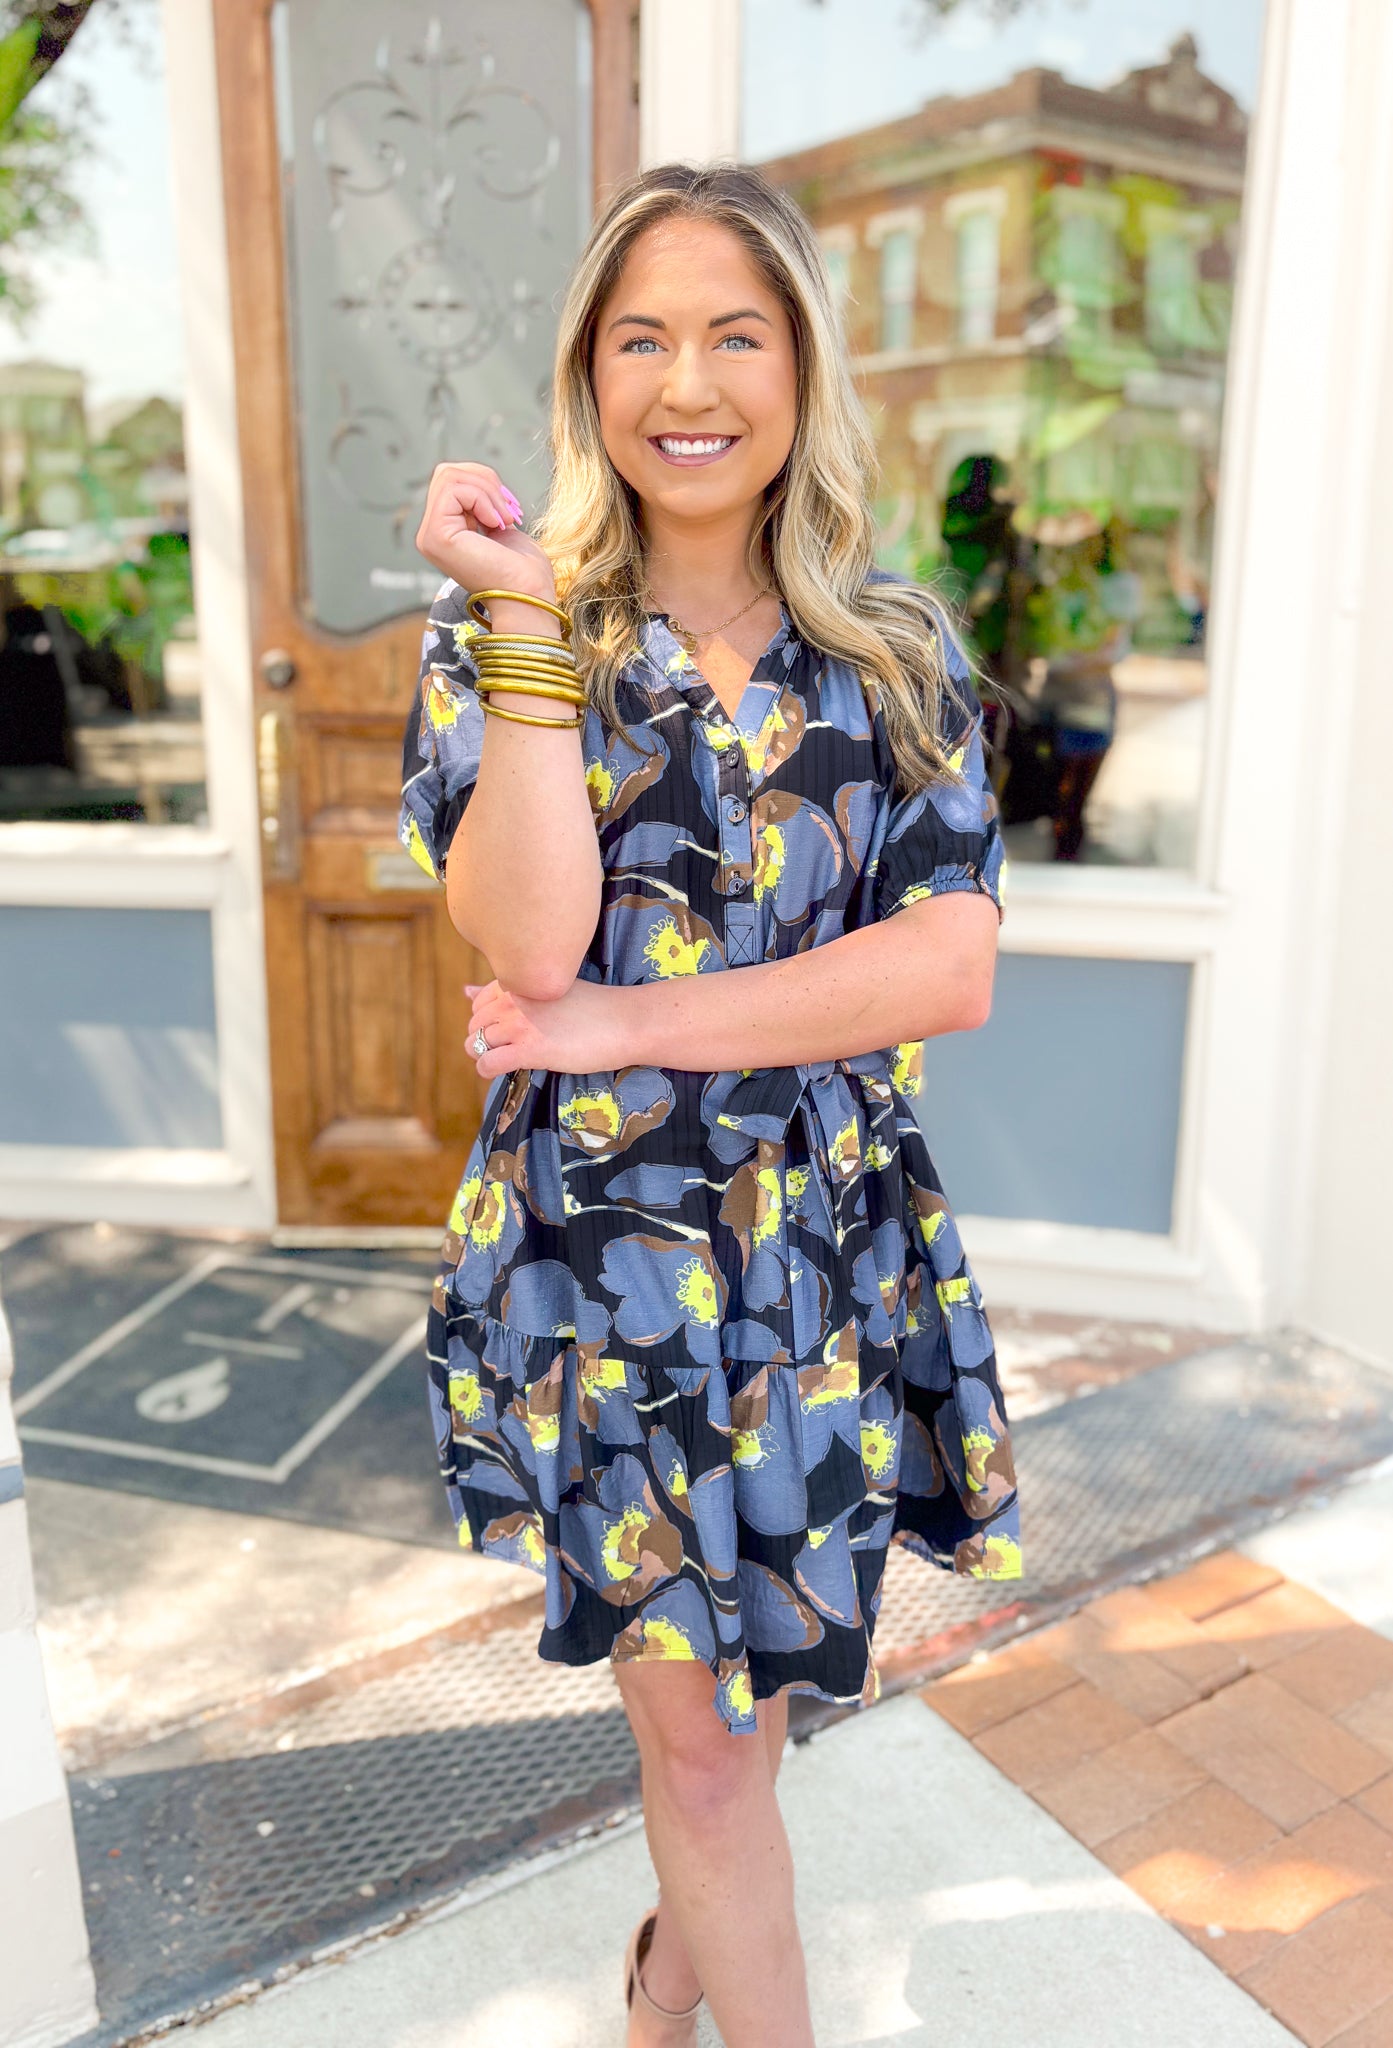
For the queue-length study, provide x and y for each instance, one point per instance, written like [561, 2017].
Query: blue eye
[630, 347]
[748, 338]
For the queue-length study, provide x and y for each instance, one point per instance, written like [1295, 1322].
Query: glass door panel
[436, 170]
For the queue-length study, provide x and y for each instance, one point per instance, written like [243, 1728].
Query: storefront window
[1036, 211]
[99, 666]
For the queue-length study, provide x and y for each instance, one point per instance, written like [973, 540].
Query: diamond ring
[481, 1044]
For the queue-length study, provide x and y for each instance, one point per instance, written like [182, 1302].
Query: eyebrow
[721, 320]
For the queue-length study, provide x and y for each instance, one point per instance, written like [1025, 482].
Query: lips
[691, 451]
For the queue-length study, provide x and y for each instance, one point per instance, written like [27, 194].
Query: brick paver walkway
[1223, 1740]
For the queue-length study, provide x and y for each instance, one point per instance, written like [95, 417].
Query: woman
[705, 1338]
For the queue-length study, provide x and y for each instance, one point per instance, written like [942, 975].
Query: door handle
[280, 816]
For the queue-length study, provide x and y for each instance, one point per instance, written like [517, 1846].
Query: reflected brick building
[1044, 272]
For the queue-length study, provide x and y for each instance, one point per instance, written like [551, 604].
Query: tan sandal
[640, 1941]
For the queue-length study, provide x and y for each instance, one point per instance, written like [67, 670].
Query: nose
[689, 386]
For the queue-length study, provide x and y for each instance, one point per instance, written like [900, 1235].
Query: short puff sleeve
[444, 734]
[946, 837]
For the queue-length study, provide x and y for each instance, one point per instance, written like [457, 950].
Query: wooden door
[405, 120]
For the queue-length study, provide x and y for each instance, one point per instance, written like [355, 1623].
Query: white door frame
[143, 867]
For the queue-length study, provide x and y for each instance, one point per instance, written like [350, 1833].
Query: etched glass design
[436, 170]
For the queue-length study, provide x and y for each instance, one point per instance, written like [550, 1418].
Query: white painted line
[242, 1344]
[418, 1283]
[126, 1327]
[346, 1403]
[285, 1305]
[108, 1447]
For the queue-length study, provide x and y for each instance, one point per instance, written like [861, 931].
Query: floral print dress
[704, 1344]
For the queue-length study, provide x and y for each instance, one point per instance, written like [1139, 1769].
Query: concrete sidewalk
[935, 1899]
[1164, 1821]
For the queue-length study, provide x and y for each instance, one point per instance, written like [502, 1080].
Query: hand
[578, 1033]
[471, 530]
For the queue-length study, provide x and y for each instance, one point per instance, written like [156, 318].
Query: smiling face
[694, 373]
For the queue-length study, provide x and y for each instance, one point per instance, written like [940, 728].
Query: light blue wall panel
[106, 1028]
[1065, 1107]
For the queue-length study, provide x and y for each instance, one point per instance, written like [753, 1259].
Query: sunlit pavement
[1166, 1820]
[936, 1900]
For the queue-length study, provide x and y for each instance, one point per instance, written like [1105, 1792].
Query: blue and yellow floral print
[704, 1344]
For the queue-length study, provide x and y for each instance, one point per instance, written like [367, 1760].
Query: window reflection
[1034, 223]
[99, 674]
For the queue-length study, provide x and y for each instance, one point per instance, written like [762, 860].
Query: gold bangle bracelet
[526, 689]
[526, 718]
[502, 658]
[522, 643]
[492, 639]
[480, 597]
[504, 664]
[515, 670]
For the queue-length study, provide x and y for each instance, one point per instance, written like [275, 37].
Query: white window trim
[689, 80]
[986, 199]
[896, 220]
[1088, 199]
[159, 867]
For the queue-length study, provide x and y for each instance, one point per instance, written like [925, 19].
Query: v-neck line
[679, 668]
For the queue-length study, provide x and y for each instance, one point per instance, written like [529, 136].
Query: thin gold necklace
[688, 636]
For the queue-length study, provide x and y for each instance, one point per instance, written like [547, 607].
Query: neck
[699, 564]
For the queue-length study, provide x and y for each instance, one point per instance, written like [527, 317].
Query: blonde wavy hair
[815, 536]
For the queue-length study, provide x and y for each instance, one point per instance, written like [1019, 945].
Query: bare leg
[717, 1841]
[667, 1967]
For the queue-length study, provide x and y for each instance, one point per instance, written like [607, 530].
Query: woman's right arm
[523, 872]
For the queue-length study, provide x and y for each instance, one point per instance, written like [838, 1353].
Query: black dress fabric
[704, 1344]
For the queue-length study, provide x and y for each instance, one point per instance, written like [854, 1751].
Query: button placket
[737, 853]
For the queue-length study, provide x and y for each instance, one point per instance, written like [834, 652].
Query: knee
[709, 1783]
[692, 1761]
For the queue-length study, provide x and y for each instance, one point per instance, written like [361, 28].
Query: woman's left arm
[924, 971]
[921, 965]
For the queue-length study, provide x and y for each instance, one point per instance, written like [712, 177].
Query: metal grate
[1144, 1468]
[222, 1855]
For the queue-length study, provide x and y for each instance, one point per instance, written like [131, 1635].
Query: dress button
[736, 812]
[736, 886]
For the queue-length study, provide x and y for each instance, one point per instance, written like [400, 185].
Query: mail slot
[392, 868]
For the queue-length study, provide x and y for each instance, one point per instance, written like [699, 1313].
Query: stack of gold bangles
[533, 663]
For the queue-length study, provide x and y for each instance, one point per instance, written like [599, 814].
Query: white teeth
[671, 446]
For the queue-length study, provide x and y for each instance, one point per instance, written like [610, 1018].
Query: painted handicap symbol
[184, 1396]
[282, 1354]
